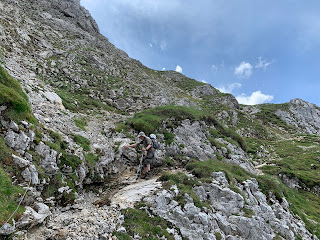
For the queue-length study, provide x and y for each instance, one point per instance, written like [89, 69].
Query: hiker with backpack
[148, 146]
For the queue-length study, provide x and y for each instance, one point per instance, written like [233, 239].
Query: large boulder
[34, 216]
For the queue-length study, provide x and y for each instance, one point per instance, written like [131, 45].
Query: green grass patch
[57, 143]
[151, 120]
[267, 115]
[79, 101]
[307, 206]
[218, 235]
[70, 160]
[82, 141]
[81, 123]
[299, 158]
[8, 198]
[5, 152]
[91, 159]
[168, 137]
[205, 169]
[12, 96]
[138, 221]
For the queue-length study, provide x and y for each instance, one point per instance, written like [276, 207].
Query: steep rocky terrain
[70, 101]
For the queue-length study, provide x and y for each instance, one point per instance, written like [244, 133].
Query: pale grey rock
[13, 126]
[2, 108]
[302, 115]
[192, 137]
[17, 141]
[220, 177]
[55, 99]
[22, 163]
[224, 200]
[49, 160]
[7, 229]
[33, 175]
[205, 90]
[33, 217]
[130, 154]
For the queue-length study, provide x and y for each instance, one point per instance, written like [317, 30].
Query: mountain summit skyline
[264, 51]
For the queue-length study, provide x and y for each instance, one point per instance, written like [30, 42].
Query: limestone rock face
[7, 229]
[49, 160]
[34, 216]
[234, 216]
[302, 115]
[192, 137]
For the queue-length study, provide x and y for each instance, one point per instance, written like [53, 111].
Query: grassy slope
[12, 96]
[8, 192]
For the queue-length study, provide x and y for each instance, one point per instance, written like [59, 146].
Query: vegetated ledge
[152, 120]
[14, 99]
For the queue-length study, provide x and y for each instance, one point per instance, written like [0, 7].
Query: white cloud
[163, 45]
[163, 69]
[204, 81]
[229, 88]
[150, 44]
[262, 64]
[214, 68]
[178, 69]
[256, 98]
[244, 70]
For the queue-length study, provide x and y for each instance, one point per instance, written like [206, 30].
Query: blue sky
[260, 51]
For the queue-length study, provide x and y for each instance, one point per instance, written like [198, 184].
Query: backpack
[155, 143]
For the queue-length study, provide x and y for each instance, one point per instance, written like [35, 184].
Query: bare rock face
[233, 215]
[34, 216]
[7, 229]
[302, 115]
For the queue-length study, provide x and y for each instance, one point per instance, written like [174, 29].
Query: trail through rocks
[87, 220]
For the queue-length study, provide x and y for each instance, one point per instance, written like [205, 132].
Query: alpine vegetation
[95, 145]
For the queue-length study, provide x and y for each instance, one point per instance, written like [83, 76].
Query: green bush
[70, 160]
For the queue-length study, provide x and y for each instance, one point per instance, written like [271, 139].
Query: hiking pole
[139, 168]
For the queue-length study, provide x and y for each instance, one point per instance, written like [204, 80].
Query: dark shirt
[146, 142]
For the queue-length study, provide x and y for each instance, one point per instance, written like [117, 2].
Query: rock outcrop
[233, 215]
[302, 115]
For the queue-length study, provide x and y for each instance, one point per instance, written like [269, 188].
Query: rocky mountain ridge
[88, 99]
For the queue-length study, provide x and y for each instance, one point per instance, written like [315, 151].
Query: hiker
[147, 146]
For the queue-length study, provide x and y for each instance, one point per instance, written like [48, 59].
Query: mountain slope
[87, 99]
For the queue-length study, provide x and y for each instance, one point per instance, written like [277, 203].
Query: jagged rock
[33, 217]
[205, 90]
[54, 98]
[13, 126]
[49, 160]
[22, 163]
[2, 108]
[31, 173]
[191, 136]
[17, 141]
[7, 229]
[130, 154]
[302, 115]
[227, 216]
